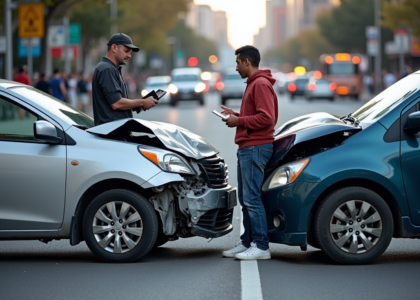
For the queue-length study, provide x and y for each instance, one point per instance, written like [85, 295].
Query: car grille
[216, 219]
[214, 171]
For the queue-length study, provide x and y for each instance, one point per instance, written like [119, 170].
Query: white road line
[250, 276]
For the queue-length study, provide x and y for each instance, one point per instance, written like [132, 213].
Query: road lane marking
[250, 276]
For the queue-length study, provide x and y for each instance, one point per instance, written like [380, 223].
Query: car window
[232, 77]
[388, 99]
[16, 123]
[156, 84]
[302, 80]
[58, 107]
[186, 77]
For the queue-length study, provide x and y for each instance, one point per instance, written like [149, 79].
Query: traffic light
[193, 61]
[213, 59]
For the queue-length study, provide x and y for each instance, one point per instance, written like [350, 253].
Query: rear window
[186, 77]
[234, 76]
[302, 80]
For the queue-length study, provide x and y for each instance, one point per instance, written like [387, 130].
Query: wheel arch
[368, 184]
[76, 234]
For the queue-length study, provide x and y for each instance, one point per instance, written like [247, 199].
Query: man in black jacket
[109, 91]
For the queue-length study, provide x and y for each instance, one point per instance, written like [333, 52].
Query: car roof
[178, 71]
[8, 83]
[158, 79]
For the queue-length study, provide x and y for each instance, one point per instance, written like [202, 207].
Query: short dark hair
[42, 75]
[251, 53]
[56, 70]
[21, 69]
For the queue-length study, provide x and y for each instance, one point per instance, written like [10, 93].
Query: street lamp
[8, 6]
[172, 41]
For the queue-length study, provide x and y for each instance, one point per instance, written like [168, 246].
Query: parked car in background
[210, 78]
[186, 84]
[297, 87]
[282, 82]
[320, 88]
[156, 83]
[348, 185]
[124, 187]
[231, 86]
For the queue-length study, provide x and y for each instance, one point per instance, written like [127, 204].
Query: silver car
[156, 83]
[231, 86]
[320, 88]
[124, 187]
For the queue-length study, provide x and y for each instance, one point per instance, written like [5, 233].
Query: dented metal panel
[172, 137]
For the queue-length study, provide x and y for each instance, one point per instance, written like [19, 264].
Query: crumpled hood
[306, 128]
[172, 137]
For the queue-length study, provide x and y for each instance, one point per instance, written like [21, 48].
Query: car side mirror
[46, 132]
[413, 123]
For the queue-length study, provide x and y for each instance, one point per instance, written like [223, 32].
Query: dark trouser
[251, 165]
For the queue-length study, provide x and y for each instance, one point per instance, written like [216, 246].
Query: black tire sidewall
[323, 218]
[149, 220]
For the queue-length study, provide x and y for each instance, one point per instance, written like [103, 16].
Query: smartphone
[160, 93]
[219, 114]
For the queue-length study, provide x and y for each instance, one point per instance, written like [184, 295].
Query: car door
[32, 173]
[410, 164]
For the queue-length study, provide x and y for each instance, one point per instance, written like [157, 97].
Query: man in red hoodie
[254, 135]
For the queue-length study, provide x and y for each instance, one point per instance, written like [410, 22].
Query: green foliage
[402, 13]
[345, 26]
[193, 44]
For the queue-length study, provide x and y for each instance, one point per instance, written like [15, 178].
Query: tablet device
[153, 94]
[219, 114]
[160, 93]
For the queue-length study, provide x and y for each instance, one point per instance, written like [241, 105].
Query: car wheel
[161, 239]
[201, 101]
[223, 101]
[354, 225]
[292, 96]
[120, 226]
[331, 99]
[173, 102]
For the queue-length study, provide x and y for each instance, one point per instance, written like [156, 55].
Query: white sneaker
[235, 250]
[253, 252]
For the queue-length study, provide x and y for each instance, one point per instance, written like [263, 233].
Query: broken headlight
[285, 174]
[166, 160]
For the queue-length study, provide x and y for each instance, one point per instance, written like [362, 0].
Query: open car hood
[307, 135]
[171, 136]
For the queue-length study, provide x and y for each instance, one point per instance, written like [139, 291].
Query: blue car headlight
[285, 174]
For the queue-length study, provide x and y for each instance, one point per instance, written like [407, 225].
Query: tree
[402, 13]
[345, 25]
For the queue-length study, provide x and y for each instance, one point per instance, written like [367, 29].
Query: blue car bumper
[291, 205]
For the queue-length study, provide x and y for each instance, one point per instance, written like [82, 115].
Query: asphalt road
[194, 268]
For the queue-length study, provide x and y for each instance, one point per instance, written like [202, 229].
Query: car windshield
[186, 77]
[388, 99]
[156, 84]
[343, 68]
[58, 107]
[302, 80]
[234, 76]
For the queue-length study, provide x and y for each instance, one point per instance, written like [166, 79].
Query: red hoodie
[259, 111]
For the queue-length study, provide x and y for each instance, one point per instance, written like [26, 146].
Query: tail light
[333, 86]
[312, 86]
[292, 87]
[220, 86]
[207, 87]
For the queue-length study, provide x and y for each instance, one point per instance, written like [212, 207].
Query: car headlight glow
[143, 92]
[287, 174]
[167, 161]
[200, 87]
[172, 88]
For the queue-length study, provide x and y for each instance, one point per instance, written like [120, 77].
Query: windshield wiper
[83, 127]
[354, 121]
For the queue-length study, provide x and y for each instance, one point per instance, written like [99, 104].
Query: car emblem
[222, 169]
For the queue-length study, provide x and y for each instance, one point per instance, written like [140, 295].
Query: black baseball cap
[122, 39]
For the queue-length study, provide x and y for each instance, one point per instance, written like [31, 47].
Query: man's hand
[149, 102]
[231, 121]
[227, 110]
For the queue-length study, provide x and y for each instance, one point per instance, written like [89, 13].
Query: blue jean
[251, 164]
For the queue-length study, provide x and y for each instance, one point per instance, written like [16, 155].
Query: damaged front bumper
[212, 212]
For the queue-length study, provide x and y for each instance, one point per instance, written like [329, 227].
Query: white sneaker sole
[230, 255]
[253, 257]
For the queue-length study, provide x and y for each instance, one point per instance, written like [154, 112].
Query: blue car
[347, 185]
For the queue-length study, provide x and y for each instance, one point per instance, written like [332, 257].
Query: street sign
[74, 32]
[140, 58]
[372, 47]
[401, 40]
[31, 20]
[56, 36]
[58, 52]
[2, 44]
[23, 47]
[371, 32]
[155, 61]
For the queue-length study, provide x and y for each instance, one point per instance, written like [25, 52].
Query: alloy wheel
[356, 227]
[117, 227]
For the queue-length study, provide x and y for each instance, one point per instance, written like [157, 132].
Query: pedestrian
[389, 79]
[254, 135]
[368, 83]
[22, 76]
[109, 91]
[72, 90]
[43, 85]
[58, 87]
[83, 93]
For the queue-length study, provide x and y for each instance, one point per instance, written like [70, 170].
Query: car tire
[353, 225]
[292, 96]
[331, 99]
[160, 240]
[120, 215]
[173, 102]
[201, 101]
[223, 101]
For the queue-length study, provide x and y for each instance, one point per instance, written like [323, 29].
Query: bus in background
[343, 69]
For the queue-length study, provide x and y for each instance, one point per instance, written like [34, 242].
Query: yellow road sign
[31, 20]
